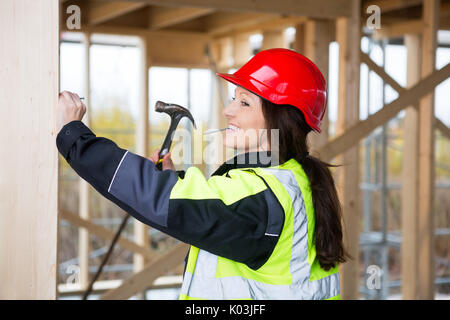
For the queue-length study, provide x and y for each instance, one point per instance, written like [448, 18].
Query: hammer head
[175, 111]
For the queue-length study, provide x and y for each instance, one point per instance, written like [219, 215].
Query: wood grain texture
[29, 159]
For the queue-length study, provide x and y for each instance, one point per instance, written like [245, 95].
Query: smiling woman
[245, 122]
[257, 230]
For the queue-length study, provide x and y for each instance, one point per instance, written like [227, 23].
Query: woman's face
[246, 125]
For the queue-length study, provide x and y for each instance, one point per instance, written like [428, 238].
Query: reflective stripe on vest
[204, 284]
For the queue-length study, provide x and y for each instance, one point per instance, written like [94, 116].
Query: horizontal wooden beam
[391, 5]
[399, 29]
[408, 97]
[69, 289]
[225, 22]
[310, 8]
[274, 24]
[102, 12]
[161, 17]
[106, 234]
[145, 278]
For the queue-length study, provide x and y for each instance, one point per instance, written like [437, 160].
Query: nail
[209, 132]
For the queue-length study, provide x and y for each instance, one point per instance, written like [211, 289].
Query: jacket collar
[248, 160]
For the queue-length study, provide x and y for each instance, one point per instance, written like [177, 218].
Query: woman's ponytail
[293, 131]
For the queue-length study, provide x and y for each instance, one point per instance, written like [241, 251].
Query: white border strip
[271, 234]
[117, 169]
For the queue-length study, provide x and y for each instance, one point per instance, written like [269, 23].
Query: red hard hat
[283, 76]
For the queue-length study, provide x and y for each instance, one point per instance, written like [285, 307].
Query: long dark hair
[293, 131]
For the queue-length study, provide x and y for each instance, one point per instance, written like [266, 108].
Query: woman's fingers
[167, 162]
[154, 156]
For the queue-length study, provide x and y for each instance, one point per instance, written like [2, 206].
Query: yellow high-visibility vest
[291, 272]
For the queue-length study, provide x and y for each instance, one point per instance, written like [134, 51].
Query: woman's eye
[245, 104]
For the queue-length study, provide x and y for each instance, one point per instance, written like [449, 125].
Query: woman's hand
[70, 108]
[167, 163]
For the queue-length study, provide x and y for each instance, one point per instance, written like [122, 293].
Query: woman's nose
[229, 111]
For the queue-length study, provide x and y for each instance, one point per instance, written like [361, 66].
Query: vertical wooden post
[84, 188]
[316, 47]
[274, 39]
[29, 37]
[222, 58]
[299, 41]
[410, 177]
[141, 231]
[348, 36]
[426, 154]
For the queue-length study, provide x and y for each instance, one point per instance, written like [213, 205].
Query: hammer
[176, 113]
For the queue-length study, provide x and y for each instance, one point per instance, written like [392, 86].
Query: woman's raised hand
[70, 108]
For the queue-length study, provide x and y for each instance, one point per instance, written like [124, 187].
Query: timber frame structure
[175, 33]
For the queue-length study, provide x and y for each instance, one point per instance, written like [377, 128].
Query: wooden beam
[361, 129]
[348, 35]
[316, 47]
[395, 85]
[223, 23]
[274, 24]
[84, 187]
[161, 17]
[141, 231]
[105, 11]
[242, 50]
[106, 234]
[399, 29]
[103, 286]
[164, 49]
[426, 154]
[410, 175]
[380, 72]
[391, 5]
[274, 39]
[310, 8]
[140, 281]
[29, 33]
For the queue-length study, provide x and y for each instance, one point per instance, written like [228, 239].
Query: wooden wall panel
[29, 159]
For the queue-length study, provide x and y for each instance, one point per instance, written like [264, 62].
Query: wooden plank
[358, 131]
[106, 234]
[299, 40]
[399, 29]
[348, 36]
[161, 17]
[426, 154]
[140, 281]
[84, 187]
[391, 5]
[310, 8]
[220, 23]
[103, 286]
[164, 49]
[274, 39]
[316, 47]
[141, 231]
[410, 177]
[105, 11]
[29, 37]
